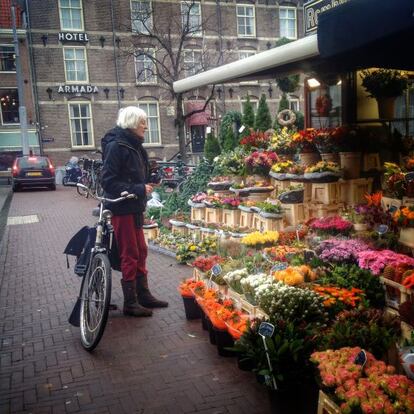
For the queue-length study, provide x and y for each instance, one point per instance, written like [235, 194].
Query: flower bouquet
[323, 105]
[295, 275]
[270, 210]
[256, 140]
[260, 162]
[213, 202]
[323, 172]
[280, 169]
[220, 183]
[341, 251]
[231, 203]
[234, 278]
[296, 173]
[281, 142]
[404, 218]
[197, 200]
[259, 240]
[395, 183]
[231, 162]
[331, 225]
[376, 261]
[303, 140]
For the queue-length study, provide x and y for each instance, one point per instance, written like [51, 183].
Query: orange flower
[374, 199]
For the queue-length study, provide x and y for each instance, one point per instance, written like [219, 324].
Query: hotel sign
[313, 8]
[73, 37]
[78, 89]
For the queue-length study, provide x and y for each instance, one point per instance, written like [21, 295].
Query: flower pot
[360, 226]
[350, 164]
[204, 323]
[330, 157]
[211, 334]
[386, 107]
[245, 364]
[309, 158]
[224, 340]
[407, 236]
[191, 308]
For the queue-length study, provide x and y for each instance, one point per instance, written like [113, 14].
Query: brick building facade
[85, 68]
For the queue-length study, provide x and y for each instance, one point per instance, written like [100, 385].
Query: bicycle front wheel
[81, 191]
[95, 300]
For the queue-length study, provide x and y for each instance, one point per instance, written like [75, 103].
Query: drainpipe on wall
[115, 56]
[218, 10]
[33, 74]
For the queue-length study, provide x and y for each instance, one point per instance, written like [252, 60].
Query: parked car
[33, 171]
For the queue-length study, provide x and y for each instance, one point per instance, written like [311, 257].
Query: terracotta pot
[386, 107]
[309, 158]
[330, 157]
[407, 235]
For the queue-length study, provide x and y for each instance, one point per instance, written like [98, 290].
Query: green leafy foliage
[248, 118]
[370, 329]
[349, 276]
[228, 136]
[263, 119]
[211, 147]
[290, 83]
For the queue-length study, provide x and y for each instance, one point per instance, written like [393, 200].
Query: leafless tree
[169, 44]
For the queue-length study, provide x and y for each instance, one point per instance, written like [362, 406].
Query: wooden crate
[246, 219]
[258, 196]
[257, 222]
[151, 234]
[371, 162]
[294, 214]
[231, 217]
[198, 214]
[326, 405]
[408, 201]
[278, 186]
[213, 215]
[271, 224]
[353, 192]
[395, 294]
[307, 193]
[323, 210]
[179, 230]
[206, 234]
[325, 193]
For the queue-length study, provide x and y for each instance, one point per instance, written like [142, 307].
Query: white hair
[130, 117]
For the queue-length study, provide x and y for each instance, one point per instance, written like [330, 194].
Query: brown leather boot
[144, 295]
[131, 305]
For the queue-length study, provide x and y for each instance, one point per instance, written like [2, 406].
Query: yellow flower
[193, 248]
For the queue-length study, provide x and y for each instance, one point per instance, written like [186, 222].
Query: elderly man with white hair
[126, 168]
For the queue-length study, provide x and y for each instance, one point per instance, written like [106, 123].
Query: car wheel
[53, 187]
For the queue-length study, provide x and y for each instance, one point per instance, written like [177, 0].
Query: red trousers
[132, 248]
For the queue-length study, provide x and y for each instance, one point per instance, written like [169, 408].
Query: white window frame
[287, 8]
[154, 68]
[192, 71]
[184, 13]
[71, 29]
[144, 105]
[251, 53]
[72, 137]
[86, 65]
[294, 104]
[137, 25]
[246, 18]
[12, 47]
[1, 111]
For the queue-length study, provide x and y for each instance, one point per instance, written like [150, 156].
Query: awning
[354, 35]
[199, 118]
[12, 140]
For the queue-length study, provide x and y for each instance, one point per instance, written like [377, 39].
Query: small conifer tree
[263, 118]
[248, 117]
[211, 147]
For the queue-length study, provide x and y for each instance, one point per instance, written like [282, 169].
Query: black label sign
[313, 8]
[67, 37]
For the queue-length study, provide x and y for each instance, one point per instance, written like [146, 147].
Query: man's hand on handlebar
[148, 189]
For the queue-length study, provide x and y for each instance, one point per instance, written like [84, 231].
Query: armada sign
[313, 8]
[78, 89]
[73, 37]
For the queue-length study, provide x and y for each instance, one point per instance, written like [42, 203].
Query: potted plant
[281, 143]
[303, 141]
[260, 162]
[280, 169]
[404, 219]
[256, 140]
[323, 172]
[327, 142]
[384, 85]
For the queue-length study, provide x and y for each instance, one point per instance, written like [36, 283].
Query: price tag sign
[279, 266]
[361, 358]
[309, 255]
[266, 330]
[216, 270]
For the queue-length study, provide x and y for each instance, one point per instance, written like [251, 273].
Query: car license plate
[34, 174]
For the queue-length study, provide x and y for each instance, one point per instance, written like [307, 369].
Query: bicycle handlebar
[124, 195]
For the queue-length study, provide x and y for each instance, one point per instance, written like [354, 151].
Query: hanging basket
[386, 107]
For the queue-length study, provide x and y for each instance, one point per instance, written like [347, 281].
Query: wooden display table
[326, 405]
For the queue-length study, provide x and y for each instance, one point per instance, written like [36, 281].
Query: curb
[4, 213]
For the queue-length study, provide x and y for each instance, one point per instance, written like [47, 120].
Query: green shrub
[248, 118]
[211, 147]
[263, 118]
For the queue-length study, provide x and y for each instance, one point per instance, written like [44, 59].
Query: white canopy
[296, 51]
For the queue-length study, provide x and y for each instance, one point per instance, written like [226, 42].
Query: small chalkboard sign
[216, 270]
[309, 255]
[279, 266]
[361, 358]
[266, 329]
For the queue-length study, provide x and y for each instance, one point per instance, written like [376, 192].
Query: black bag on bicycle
[80, 246]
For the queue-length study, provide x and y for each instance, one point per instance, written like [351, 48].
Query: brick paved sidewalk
[162, 364]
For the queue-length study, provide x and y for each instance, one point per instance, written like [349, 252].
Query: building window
[294, 104]
[7, 59]
[152, 135]
[246, 26]
[193, 62]
[243, 54]
[191, 17]
[70, 12]
[75, 64]
[80, 119]
[253, 101]
[145, 69]
[9, 102]
[287, 19]
[141, 16]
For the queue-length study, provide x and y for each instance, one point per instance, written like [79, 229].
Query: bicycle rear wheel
[96, 297]
[81, 191]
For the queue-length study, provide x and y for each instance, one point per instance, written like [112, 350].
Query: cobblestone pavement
[162, 364]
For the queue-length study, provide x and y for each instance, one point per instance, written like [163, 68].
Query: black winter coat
[125, 168]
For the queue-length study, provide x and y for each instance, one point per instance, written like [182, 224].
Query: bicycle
[91, 178]
[95, 292]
